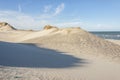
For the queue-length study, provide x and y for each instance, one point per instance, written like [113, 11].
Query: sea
[108, 34]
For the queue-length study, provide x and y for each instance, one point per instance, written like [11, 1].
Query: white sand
[114, 41]
[58, 54]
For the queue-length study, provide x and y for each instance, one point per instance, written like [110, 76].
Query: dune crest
[46, 27]
[4, 26]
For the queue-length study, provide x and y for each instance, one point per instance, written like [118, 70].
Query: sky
[91, 15]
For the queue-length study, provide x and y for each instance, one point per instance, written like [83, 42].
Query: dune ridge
[57, 54]
[75, 40]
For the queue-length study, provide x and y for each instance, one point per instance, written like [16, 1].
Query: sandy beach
[57, 54]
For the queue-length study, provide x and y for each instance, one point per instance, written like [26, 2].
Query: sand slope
[57, 54]
[78, 41]
[29, 55]
[28, 62]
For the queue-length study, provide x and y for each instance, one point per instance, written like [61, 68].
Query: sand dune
[6, 27]
[57, 54]
[76, 40]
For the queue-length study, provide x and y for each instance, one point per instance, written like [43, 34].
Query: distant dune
[57, 54]
[6, 27]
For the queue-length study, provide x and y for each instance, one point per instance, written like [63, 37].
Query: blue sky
[92, 15]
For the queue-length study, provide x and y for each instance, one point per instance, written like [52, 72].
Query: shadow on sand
[25, 55]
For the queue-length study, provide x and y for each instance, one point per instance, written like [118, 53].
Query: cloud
[104, 27]
[47, 8]
[50, 13]
[69, 24]
[19, 8]
[99, 26]
[59, 8]
[21, 20]
[24, 21]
